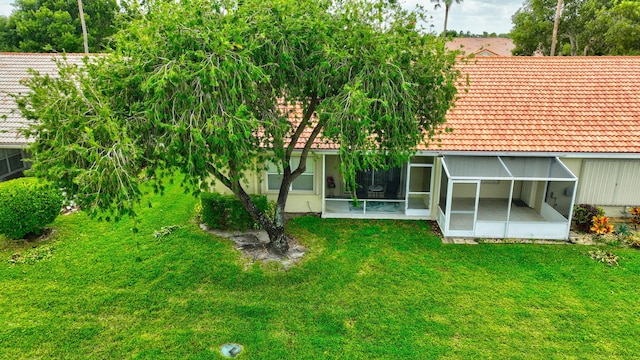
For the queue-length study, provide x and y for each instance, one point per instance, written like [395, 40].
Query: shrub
[583, 215]
[601, 225]
[26, 206]
[623, 232]
[227, 212]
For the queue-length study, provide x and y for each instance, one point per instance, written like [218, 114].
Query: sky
[475, 16]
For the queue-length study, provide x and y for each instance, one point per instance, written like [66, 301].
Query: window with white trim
[304, 182]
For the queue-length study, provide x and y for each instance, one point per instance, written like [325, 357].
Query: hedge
[227, 212]
[27, 206]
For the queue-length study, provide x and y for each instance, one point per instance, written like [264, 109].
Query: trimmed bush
[27, 206]
[227, 212]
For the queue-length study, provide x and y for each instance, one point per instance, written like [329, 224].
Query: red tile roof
[547, 104]
[497, 46]
[513, 104]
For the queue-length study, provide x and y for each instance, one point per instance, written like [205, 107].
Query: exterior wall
[311, 201]
[333, 169]
[251, 185]
[611, 184]
[297, 202]
[496, 190]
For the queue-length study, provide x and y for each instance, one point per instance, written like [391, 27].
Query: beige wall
[576, 165]
[311, 201]
[298, 201]
[301, 201]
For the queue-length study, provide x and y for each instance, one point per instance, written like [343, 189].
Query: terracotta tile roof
[13, 68]
[491, 46]
[513, 104]
[548, 104]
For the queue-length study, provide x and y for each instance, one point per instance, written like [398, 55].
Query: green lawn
[366, 290]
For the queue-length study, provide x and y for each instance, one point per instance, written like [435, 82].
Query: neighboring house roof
[482, 46]
[547, 104]
[13, 68]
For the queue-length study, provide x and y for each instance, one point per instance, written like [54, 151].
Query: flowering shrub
[635, 218]
[583, 215]
[601, 225]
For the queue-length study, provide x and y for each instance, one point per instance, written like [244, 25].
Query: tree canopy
[587, 27]
[204, 86]
[54, 26]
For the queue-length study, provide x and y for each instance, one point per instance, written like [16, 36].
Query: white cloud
[475, 16]
[5, 9]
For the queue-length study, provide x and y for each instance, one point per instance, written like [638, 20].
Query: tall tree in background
[447, 7]
[197, 86]
[55, 25]
[587, 27]
[556, 23]
[622, 24]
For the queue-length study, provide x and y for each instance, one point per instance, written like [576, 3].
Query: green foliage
[366, 290]
[227, 212]
[587, 27]
[199, 85]
[623, 232]
[33, 255]
[26, 206]
[583, 215]
[54, 26]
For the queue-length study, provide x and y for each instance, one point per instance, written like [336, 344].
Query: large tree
[586, 27]
[55, 25]
[621, 27]
[205, 87]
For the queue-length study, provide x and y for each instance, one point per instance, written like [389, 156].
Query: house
[491, 46]
[532, 136]
[13, 68]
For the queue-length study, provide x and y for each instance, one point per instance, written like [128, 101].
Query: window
[10, 161]
[304, 182]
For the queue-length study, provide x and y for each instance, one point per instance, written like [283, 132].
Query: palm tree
[447, 6]
[554, 37]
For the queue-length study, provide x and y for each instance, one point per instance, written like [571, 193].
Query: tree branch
[305, 121]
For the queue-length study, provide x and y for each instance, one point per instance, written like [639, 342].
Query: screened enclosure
[505, 197]
[390, 193]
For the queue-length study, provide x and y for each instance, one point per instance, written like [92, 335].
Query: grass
[366, 290]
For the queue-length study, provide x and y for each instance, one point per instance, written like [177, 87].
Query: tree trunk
[85, 42]
[446, 19]
[556, 23]
[278, 241]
